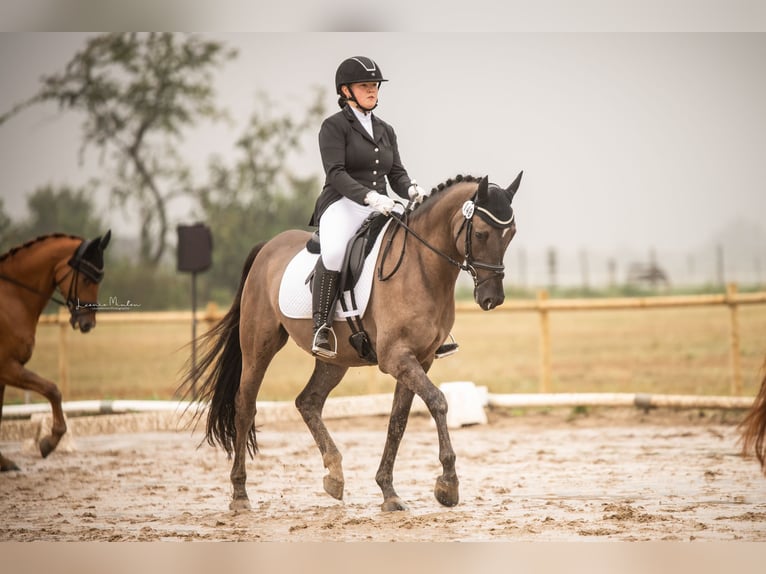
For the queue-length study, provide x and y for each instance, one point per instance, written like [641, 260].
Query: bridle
[77, 264]
[469, 263]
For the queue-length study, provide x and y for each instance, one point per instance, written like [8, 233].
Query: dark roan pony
[753, 427]
[467, 224]
[29, 276]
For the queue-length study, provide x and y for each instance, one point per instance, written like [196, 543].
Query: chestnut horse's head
[78, 279]
[488, 227]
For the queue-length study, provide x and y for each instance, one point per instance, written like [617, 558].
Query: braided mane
[452, 181]
[34, 241]
[432, 199]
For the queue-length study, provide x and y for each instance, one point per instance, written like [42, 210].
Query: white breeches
[337, 225]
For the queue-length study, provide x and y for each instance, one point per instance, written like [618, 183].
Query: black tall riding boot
[324, 296]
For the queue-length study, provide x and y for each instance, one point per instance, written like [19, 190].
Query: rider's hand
[379, 202]
[417, 193]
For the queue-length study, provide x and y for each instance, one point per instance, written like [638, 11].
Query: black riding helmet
[355, 70]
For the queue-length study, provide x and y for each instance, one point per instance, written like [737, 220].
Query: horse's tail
[221, 366]
[753, 427]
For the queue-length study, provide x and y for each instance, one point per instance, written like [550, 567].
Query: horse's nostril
[489, 303]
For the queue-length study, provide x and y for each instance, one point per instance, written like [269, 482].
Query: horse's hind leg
[254, 365]
[250, 384]
[5, 463]
[310, 402]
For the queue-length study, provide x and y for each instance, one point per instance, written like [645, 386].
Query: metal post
[194, 335]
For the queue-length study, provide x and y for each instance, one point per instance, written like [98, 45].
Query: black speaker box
[195, 247]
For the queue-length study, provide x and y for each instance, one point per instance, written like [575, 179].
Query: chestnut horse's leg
[5, 463]
[310, 403]
[23, 378]
[408, 372]
[397, 423]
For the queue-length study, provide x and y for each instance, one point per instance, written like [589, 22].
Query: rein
[469, 264]
[32, 289]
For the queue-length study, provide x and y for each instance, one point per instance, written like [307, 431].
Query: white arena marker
[466, 404]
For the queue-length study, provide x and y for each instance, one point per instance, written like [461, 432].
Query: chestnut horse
[465, 224]
[753, 427]
[29, 275]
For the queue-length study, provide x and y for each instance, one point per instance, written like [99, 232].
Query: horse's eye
[481, 235]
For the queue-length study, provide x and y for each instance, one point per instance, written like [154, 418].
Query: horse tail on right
[221, 366]
[753, 427]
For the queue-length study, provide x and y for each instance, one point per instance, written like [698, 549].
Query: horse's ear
[481, 193]
[105, 240]
[514, 187]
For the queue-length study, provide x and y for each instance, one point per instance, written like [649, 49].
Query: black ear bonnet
[495, 208]
[89, 257]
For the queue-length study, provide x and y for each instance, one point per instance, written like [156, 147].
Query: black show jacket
[355, 163]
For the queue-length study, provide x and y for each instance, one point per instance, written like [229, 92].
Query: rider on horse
[359, 151]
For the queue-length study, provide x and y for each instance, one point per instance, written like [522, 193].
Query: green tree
[138, 93]
[257, 196]
[52, 209]
[61, 209]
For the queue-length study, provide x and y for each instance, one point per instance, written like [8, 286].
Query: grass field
[675, 351]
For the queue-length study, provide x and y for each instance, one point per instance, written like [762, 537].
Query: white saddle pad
[294, 293]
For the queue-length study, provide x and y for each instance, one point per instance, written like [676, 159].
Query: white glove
[417, 193]
[378, 202]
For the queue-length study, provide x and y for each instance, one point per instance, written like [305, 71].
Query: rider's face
[366, 93]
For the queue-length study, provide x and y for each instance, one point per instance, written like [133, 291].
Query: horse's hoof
[333, 487]
[446, 492]
[47, 446]
[7, 465]
[393, 505]
[240, 504]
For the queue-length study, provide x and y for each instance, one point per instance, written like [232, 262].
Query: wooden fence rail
[543, 306]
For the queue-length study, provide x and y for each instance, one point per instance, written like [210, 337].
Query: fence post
[62, 319]
[545, 342]
[734, 356]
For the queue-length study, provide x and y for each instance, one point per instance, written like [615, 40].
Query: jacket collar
[377, 127]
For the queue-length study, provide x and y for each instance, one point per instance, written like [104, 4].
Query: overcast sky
[626, 140]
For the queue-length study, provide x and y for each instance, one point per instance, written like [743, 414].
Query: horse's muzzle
[83, 321]
[488, 304]
[489, 300]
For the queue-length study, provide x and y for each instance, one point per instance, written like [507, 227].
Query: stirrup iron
[447, 349]
[318, 351]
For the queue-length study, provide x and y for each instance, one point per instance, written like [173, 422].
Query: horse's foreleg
[310, 403]
[5, 463]
[397, 424]
[409, 372]
[27, 380]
